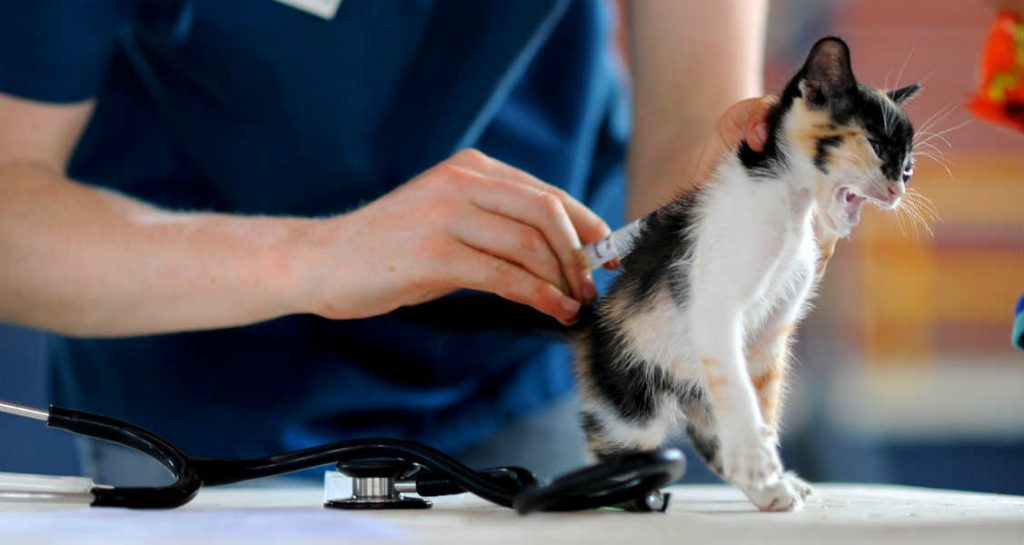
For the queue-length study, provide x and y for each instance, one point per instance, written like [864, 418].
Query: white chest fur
[755, 244]
[753, 252]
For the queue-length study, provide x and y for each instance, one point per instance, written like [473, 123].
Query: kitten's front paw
[798, 484]
[784, 495]
[752, 462]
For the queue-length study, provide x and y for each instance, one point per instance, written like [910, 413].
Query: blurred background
[905, 370]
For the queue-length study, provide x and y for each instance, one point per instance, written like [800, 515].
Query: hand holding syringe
[612, 247]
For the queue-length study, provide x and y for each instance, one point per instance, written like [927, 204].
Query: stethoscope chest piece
[373, 485]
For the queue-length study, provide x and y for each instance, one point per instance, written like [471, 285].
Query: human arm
[85, 261]
[690, 61]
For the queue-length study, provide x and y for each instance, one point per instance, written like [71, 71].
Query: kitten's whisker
[911, 209]
[901, 222]
[922, 206]
[941, 152]
[927, 126]
[955, 127]
[906, 61]
[926, 134]
[930, 149]
[907, 211]
[944, 164]
[929, 136]
[935, 155]
[938, 159]
[924, 79]
[926, 203]
[923, 222]
[937, 116]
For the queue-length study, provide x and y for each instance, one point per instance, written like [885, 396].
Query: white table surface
[836, 514]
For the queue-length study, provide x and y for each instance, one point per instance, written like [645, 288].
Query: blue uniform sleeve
[58, 50]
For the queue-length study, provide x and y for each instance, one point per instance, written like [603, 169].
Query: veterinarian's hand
[469, 222]
[744, 120]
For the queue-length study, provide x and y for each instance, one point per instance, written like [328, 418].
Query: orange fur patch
[710, 363]
[785, 331]
[807, 126]
[772, 353]
[768, 385]
[766, 378]
[827, 247]
[716, 383]
[769, 396]
[714, 380]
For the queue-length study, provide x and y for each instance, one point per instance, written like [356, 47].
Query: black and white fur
[696, 327]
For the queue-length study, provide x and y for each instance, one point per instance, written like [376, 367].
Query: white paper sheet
[249, 526]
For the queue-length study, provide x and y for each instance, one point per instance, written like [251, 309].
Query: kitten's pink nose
[895, 192]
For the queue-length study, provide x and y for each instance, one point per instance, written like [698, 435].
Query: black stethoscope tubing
[625, 480]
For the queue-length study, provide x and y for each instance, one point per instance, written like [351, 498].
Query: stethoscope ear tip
[24, 411]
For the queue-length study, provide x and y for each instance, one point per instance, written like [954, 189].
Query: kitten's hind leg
[626, 408]
[627, 403]
[700, 429]
[609, 433]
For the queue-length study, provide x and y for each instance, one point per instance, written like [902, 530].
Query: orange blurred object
[1000, 95]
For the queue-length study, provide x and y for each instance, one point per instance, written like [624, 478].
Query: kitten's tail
[473, 312]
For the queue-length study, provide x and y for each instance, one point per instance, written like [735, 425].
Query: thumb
[754, 125]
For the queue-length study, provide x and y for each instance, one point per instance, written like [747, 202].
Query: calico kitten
[700, 319]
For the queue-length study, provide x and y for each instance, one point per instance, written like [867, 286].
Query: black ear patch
[827, 74]
[903, 94]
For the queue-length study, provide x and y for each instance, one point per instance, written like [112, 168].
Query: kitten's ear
[903, 94]
[827, 72]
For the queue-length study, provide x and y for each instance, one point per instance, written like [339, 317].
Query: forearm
[690, 62]
[84, 261]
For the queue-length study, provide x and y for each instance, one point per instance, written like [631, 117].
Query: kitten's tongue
[851, 205]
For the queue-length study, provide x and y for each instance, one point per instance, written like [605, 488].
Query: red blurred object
[1000, 95]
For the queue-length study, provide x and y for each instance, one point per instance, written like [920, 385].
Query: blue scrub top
[255, 107]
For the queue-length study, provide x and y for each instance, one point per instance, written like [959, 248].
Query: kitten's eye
[908, 172]
[877, 146]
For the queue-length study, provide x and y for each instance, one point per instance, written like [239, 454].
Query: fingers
[514, 242]
[589, 226]
[506, 191]
[743, 121]
[477, 270]
[548, 215]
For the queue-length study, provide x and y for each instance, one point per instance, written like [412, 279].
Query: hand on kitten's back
[743, 121]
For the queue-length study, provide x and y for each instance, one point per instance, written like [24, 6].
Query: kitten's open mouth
[849, 202]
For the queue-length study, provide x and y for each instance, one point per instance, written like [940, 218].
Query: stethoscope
[382, 472]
